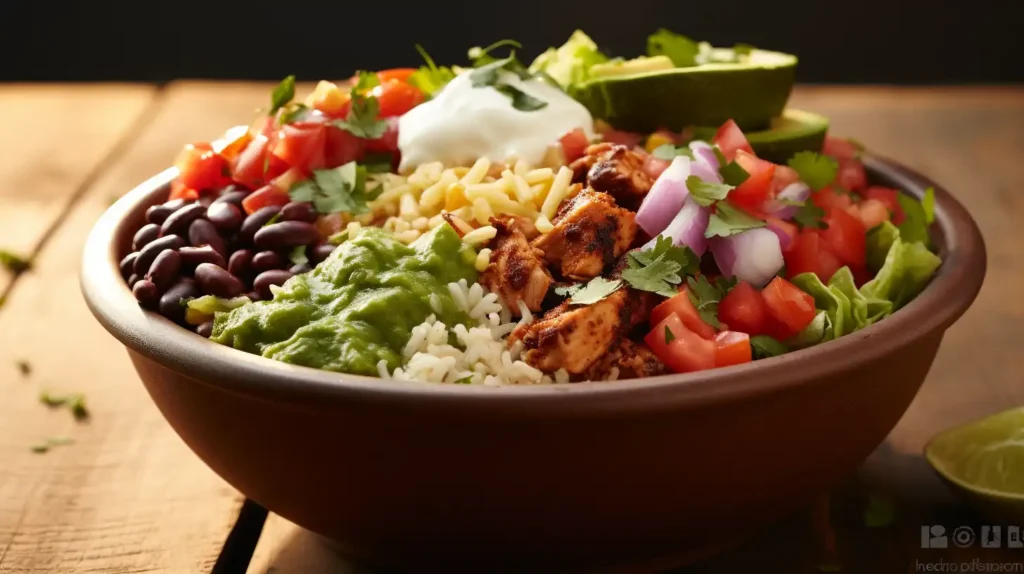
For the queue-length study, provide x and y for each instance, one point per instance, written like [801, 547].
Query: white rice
[480, 355]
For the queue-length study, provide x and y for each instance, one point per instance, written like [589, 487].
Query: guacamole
[358, 306]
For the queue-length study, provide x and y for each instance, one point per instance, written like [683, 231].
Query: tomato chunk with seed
[202, 168]
[733, 348]
[752, 193]
[687, 312]
[396, 97]
[789, 306]
[808, 254]
[845, 237]
[682, 350]
[729, 138]
[743, 309]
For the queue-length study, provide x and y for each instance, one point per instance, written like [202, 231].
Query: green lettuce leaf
[880, 238]
[832, 301]
[570, 64]
[817, 331]
[905, 272]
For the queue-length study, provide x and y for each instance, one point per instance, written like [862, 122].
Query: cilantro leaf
[568, 290]
[809, 215]
[49, 443]
[13, 262]
[705, 297]
[482, 56]
[292, 112]
[928, 204]
[688, 261]
[669, 337]
[338, 190]
[596, 289]
[298, 255]
[705, 193]
[365, 81]
[362, 120]
[680, 49]
[430, 78]
[915, 223]
[282, 94]
[728, 220]
[75, 403]
[467, 380]
[732, 173]
[816, 170]
[763, 346]
[24, 367]
[669, 152]
[489, 75]
[520, 100]
[377, 162]
[659, 276]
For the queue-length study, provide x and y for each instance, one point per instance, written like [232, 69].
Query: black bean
[224, 216]
[274, 277]
[164, 268]
[202, 232]
[132, 280]
[158, 213]
[232, 194]
[145, 235]
[206, 199]
[171, 305]
[286, 234]
[217, 281]
[298, 211]
[257, 220]
[128, 264]
[149, 252]
[175, 204]
[146, 293]
[265, 261]
[320, 252]
[238, 264]
[178, 222]
[205, 330]
[299, 268]
[193, 256]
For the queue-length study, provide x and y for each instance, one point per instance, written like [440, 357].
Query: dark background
[854, 41]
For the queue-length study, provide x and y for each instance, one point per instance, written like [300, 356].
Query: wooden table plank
[970, 141]
[128, 496]
[53, 138]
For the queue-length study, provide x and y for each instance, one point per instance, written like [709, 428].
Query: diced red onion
[703, 170]
[687, 227]
[666, 197]
[702, 150]
[754, 256]
[785, 239]
[798, 191]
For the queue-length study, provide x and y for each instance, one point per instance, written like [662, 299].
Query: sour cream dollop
[464, 123]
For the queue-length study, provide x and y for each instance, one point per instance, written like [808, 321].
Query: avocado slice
[750, 90]
[794, 131]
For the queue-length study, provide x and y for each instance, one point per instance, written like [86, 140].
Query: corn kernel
[656, 140]
[328, 98]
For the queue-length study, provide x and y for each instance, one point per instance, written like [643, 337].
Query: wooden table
[128, 496]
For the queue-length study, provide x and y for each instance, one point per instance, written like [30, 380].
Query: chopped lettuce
[817, 331]
[880, 238]
[570, 64]
[906, 271]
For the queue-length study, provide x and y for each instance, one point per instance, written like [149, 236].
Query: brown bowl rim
[946, 298]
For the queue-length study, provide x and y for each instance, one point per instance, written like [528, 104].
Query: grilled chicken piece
[517, 271]
[575, 337]
[589, 233]
[633, 360]
[614, 169]
[524, 224]
[582, 165]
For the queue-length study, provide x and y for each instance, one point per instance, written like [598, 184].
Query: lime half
[985, 459]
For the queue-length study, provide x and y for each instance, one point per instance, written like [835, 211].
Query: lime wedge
[984, 459]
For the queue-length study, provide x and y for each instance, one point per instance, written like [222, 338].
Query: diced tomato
[396, 97]
[401, 74]
[752, 193]
[301, 145]
[201, 167]
[845, 237]
[181, 191]
[684, 351]
[743, 309]
[889, 197]
[655, 166]
[255, 166]
[682, 306]
[628, 139]
[792, 308]
[808, 255]
[263, 125]
[782, 227]
[871, 212]
[231, 151]
[851, 175]
[839, 148]
[342, 147]
[263, 197]
[574, 143]
[286, 180]
[828, 198]
[733, 349]
[730, 139]
[387, 143]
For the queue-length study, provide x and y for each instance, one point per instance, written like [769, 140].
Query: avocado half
[793, 131]
[751, 93]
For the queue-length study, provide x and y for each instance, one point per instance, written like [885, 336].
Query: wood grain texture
[970, 141]
[52, 140]
[128, 496]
